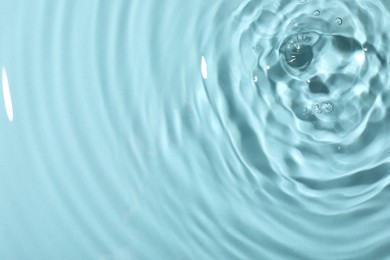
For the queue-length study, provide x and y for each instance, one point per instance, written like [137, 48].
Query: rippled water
[195, 130]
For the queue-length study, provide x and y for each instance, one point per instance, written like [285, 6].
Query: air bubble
[327, 107]
[317, 108]
[297, 49]
[307, 113]
[302, 1]
[339, 21]
[317, 13]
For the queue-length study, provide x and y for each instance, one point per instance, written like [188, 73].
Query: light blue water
[195, 130]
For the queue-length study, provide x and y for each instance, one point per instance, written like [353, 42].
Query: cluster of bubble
[326, 107]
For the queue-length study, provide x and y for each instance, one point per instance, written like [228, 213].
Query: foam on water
[253, 129]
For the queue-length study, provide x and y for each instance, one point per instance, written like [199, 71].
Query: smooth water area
[240, 129]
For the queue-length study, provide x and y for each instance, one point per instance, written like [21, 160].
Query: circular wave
[118, 151]
[311, 80]
[303, 94]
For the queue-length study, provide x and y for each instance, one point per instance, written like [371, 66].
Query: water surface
[198, 130]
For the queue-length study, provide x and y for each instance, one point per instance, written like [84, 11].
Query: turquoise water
[195, 130]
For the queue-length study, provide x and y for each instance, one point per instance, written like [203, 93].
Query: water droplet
[317, 13]
[255, 79]
[327, 106]
[365, 46]
[339, 21]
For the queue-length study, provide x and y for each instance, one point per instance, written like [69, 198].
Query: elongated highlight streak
[203, 67]
[7, 96]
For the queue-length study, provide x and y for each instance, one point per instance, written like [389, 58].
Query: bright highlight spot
[267, 67]
[7, 96]
[360, 57]
[203, 67]
[360, 89]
